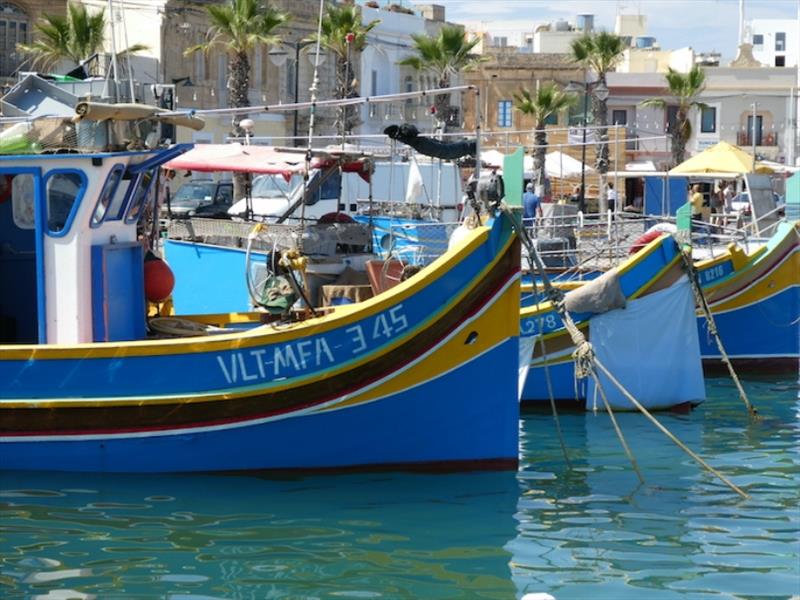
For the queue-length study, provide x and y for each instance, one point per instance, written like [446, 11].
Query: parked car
[741, 203]
[212, 198]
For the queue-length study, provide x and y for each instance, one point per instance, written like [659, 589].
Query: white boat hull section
[652, 348]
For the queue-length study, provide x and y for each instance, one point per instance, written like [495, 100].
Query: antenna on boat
[113, 53]
[311, 120]
[127, 54]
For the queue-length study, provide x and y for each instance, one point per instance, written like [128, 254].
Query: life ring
[643, 240]
[181, 327]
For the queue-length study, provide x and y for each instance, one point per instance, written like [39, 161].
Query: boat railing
[418, 242]
[316, 238]
[401, 209]
[25, 135]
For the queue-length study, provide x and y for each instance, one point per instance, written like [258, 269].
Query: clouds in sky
[705, 25]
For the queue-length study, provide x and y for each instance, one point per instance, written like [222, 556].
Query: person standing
[578, 199]
[696, 200]
[612, 197]
[531, 205]
[728, 194]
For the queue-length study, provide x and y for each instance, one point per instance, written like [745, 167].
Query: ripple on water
[587, 532]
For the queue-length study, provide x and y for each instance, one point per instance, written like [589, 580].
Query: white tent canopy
[557, 164]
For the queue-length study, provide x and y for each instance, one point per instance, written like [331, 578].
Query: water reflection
[384, 535]
[589, 532]
[596, 532]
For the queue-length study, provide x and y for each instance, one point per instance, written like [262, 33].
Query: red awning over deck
[263, 159]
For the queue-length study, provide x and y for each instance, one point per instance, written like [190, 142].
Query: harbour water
[587, 532]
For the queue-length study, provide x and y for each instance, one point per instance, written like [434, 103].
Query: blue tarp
[664, 196]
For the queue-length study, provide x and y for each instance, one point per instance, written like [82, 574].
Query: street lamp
[601, 93]
[278, 56]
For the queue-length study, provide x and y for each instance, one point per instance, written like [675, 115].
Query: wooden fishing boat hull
[755, 301]
[654, 269]
[399, 380]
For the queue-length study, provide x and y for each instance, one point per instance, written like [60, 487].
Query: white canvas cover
[526, 346]
[652, 348]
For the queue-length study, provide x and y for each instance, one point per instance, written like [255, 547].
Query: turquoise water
[588, 532]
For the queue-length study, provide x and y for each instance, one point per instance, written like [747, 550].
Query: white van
[272, 196]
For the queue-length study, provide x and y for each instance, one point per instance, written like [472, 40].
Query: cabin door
[19, 322]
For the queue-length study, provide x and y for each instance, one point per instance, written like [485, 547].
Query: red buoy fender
[159, 280]
[643, 240]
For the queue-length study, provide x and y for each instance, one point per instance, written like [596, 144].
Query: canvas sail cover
[652, 347]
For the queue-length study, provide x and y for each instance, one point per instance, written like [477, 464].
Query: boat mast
[113, 49]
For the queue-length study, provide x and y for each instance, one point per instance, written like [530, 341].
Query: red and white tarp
[260, 159]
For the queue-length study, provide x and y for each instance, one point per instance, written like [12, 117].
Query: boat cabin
[71, 265]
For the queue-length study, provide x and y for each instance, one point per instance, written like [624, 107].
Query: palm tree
[599, 53]
[75, 37]
[444, 56]
[685, 88]
[344, 36]
[238, 27]
[546, 101]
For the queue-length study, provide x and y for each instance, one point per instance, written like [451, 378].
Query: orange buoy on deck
[159, 280]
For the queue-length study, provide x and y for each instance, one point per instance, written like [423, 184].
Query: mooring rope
[550, 390]
[702, 303]
[586, 362]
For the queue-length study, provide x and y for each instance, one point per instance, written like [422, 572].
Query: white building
[387, 44]
[730, 115]
[775, 41]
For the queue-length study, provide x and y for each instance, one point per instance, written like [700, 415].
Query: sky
[705, 25]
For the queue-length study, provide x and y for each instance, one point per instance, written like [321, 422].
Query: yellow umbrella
[719, 158]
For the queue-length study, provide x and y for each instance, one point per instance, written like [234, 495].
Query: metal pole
[616, 168]
[754, 139]
[582, 203]
[296, 89]
[346, 91]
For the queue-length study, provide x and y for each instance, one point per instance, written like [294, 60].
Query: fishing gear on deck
[409, 135]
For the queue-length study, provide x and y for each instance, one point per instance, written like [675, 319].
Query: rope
[700, 301]
[617, 427]
[586, 363]
[550, 394]
[666, 432]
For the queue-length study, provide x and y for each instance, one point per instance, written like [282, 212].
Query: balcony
[745, 138]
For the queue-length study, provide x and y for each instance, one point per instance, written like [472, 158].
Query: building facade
[380, 72]
[775, 41]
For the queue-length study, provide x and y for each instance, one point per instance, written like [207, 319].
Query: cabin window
[22, 204]
[139, 196]
[120, 196]
[63, 190]
[106, 195]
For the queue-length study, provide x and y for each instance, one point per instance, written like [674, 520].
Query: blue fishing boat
[755, 301]
[639, 318]
[87, 382]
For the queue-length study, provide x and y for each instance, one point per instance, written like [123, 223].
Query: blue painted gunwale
[191, 367]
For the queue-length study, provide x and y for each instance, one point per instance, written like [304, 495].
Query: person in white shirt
[728, 194]
[612, 197]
